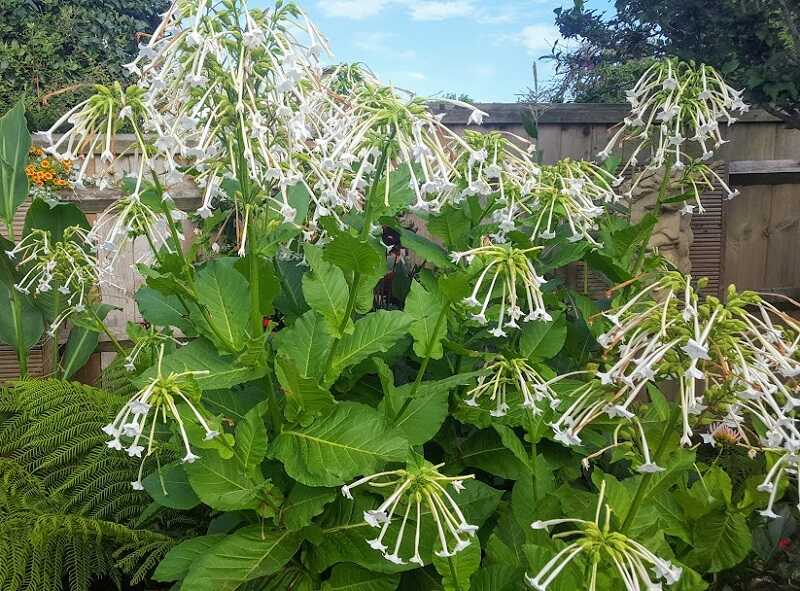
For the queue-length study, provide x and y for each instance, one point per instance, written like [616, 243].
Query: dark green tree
[51, 51]
[755, 43]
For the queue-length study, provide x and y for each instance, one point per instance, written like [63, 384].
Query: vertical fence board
[748, 222]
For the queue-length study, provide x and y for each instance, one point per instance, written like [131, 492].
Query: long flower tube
[417, 488]
[601, 547]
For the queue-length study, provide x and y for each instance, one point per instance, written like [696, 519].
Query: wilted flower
[512, 268]
[420, 485]
[159, 398]
[601, 546]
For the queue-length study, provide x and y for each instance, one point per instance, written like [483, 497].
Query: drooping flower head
[502, 270]
[676, 108]
[66, 267]
[598, 544]
[134, 427]
[418, 491]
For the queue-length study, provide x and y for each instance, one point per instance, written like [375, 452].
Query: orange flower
[45, 163]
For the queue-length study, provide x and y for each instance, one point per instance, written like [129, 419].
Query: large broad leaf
[176, 564]
[429, 327]
[53, 218]
[15, 141]
[486, 451]
[303, 395]
[21, 330]
[353, 255]
[224, 293]
[424, 415]
[161, 309]
[304, 503]
[452, 226]
[268, 284]
[306, 343]
[457, 570]
[375, 333]
[400, 193]
[721, 541]
[543, 340]
[170, 487]
[251, 440]
[223, 484]
[348, 577]
[200, 355]
[248, 554]
[325, 289]
[352, 440]
[82, 343]
[425, 249]
[290, 301]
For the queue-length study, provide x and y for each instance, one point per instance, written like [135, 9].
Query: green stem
[348, 312]
[425, 360]
[644, 483]
[120, 349]
[256, 319]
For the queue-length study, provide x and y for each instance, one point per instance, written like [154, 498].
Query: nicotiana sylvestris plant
[320, 443]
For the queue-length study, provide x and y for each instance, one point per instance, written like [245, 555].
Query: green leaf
[485, 450]
[303, 395]
[721, 541]
[352, 255]
[425, 414]
[452, 226]
[161, 309]
[172, 479]
[561, 254]
[306, 343]
[401, 195]
[304, 503]
[348, 577]
[352, 440]
[251, 440]
[325, 289]
[424, 248]
[53, 218]
[268, 284]
[290, 301]
[223, 291]
[200, 355]
[15, 141]
[22, 331]
[176, 564]
[222, 484]
[81, 344]
[543, 340]
[425, 308]
[250, 553]
[375, 333]
[457, 570]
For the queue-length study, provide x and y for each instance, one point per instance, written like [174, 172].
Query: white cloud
[437, 11]
[538, 39]
[354, 9]
[416, 75]
[378, 42]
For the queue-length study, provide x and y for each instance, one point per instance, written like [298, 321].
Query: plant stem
[644, 483]
[22, 350]
[120, 349]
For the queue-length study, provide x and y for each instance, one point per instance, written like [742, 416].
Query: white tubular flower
[572, 193]
[676, 108]
[417, 491]
[503, 270]
[67, 267]
[159, 398]
[518, 376]
[788, 464]
[117, 228]
[602, 547]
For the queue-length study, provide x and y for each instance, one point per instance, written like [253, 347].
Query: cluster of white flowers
[160, 397]
[423, 488]
[68, 266]
[126, 219]
[676, 108]
[598, 544]
[510, 266]
[574, 193]
[518, 375]
[147, 343]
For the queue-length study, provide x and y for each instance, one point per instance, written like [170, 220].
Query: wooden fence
[752, 241]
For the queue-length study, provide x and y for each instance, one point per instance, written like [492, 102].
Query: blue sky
[478, 47]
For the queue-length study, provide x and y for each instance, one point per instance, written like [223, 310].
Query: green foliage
[48, 45]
